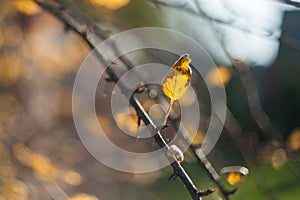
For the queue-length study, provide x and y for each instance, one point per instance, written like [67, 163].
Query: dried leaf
[178, 79]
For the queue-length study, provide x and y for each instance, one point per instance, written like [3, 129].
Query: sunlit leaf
[234, 178]
[178, 79]
[235, 174]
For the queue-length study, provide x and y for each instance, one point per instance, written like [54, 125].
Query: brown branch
[87, 35]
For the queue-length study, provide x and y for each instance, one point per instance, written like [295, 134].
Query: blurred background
[256, 47]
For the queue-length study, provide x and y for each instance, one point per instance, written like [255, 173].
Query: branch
[196, 149]
[87, 35]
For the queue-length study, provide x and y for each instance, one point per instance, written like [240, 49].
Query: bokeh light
[110, 4]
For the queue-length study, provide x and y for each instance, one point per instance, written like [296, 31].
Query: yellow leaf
[235, 177]
[178, 79]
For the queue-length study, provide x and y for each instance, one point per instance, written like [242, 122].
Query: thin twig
[87, 36]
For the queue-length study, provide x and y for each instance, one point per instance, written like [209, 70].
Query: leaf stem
[168, 111]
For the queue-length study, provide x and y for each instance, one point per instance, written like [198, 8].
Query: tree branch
[87, 35]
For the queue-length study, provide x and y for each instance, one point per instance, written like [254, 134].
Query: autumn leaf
[177, 81]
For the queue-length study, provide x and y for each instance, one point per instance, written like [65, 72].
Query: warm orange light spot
[43, 167]
[128, 120]
[294, 140]
[110, 4]
[72, 178]
[235, 177]
[218, 76]
[235, 174]
[28, 7]
[23, 154]
[83, 196]
[10, 68]
[14, 190]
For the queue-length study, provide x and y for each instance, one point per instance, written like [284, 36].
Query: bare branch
[87, 35]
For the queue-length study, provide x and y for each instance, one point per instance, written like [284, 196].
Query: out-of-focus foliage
[35, 100]
[128, 121]
[294, 140]
[41, 156]
[39, 163]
